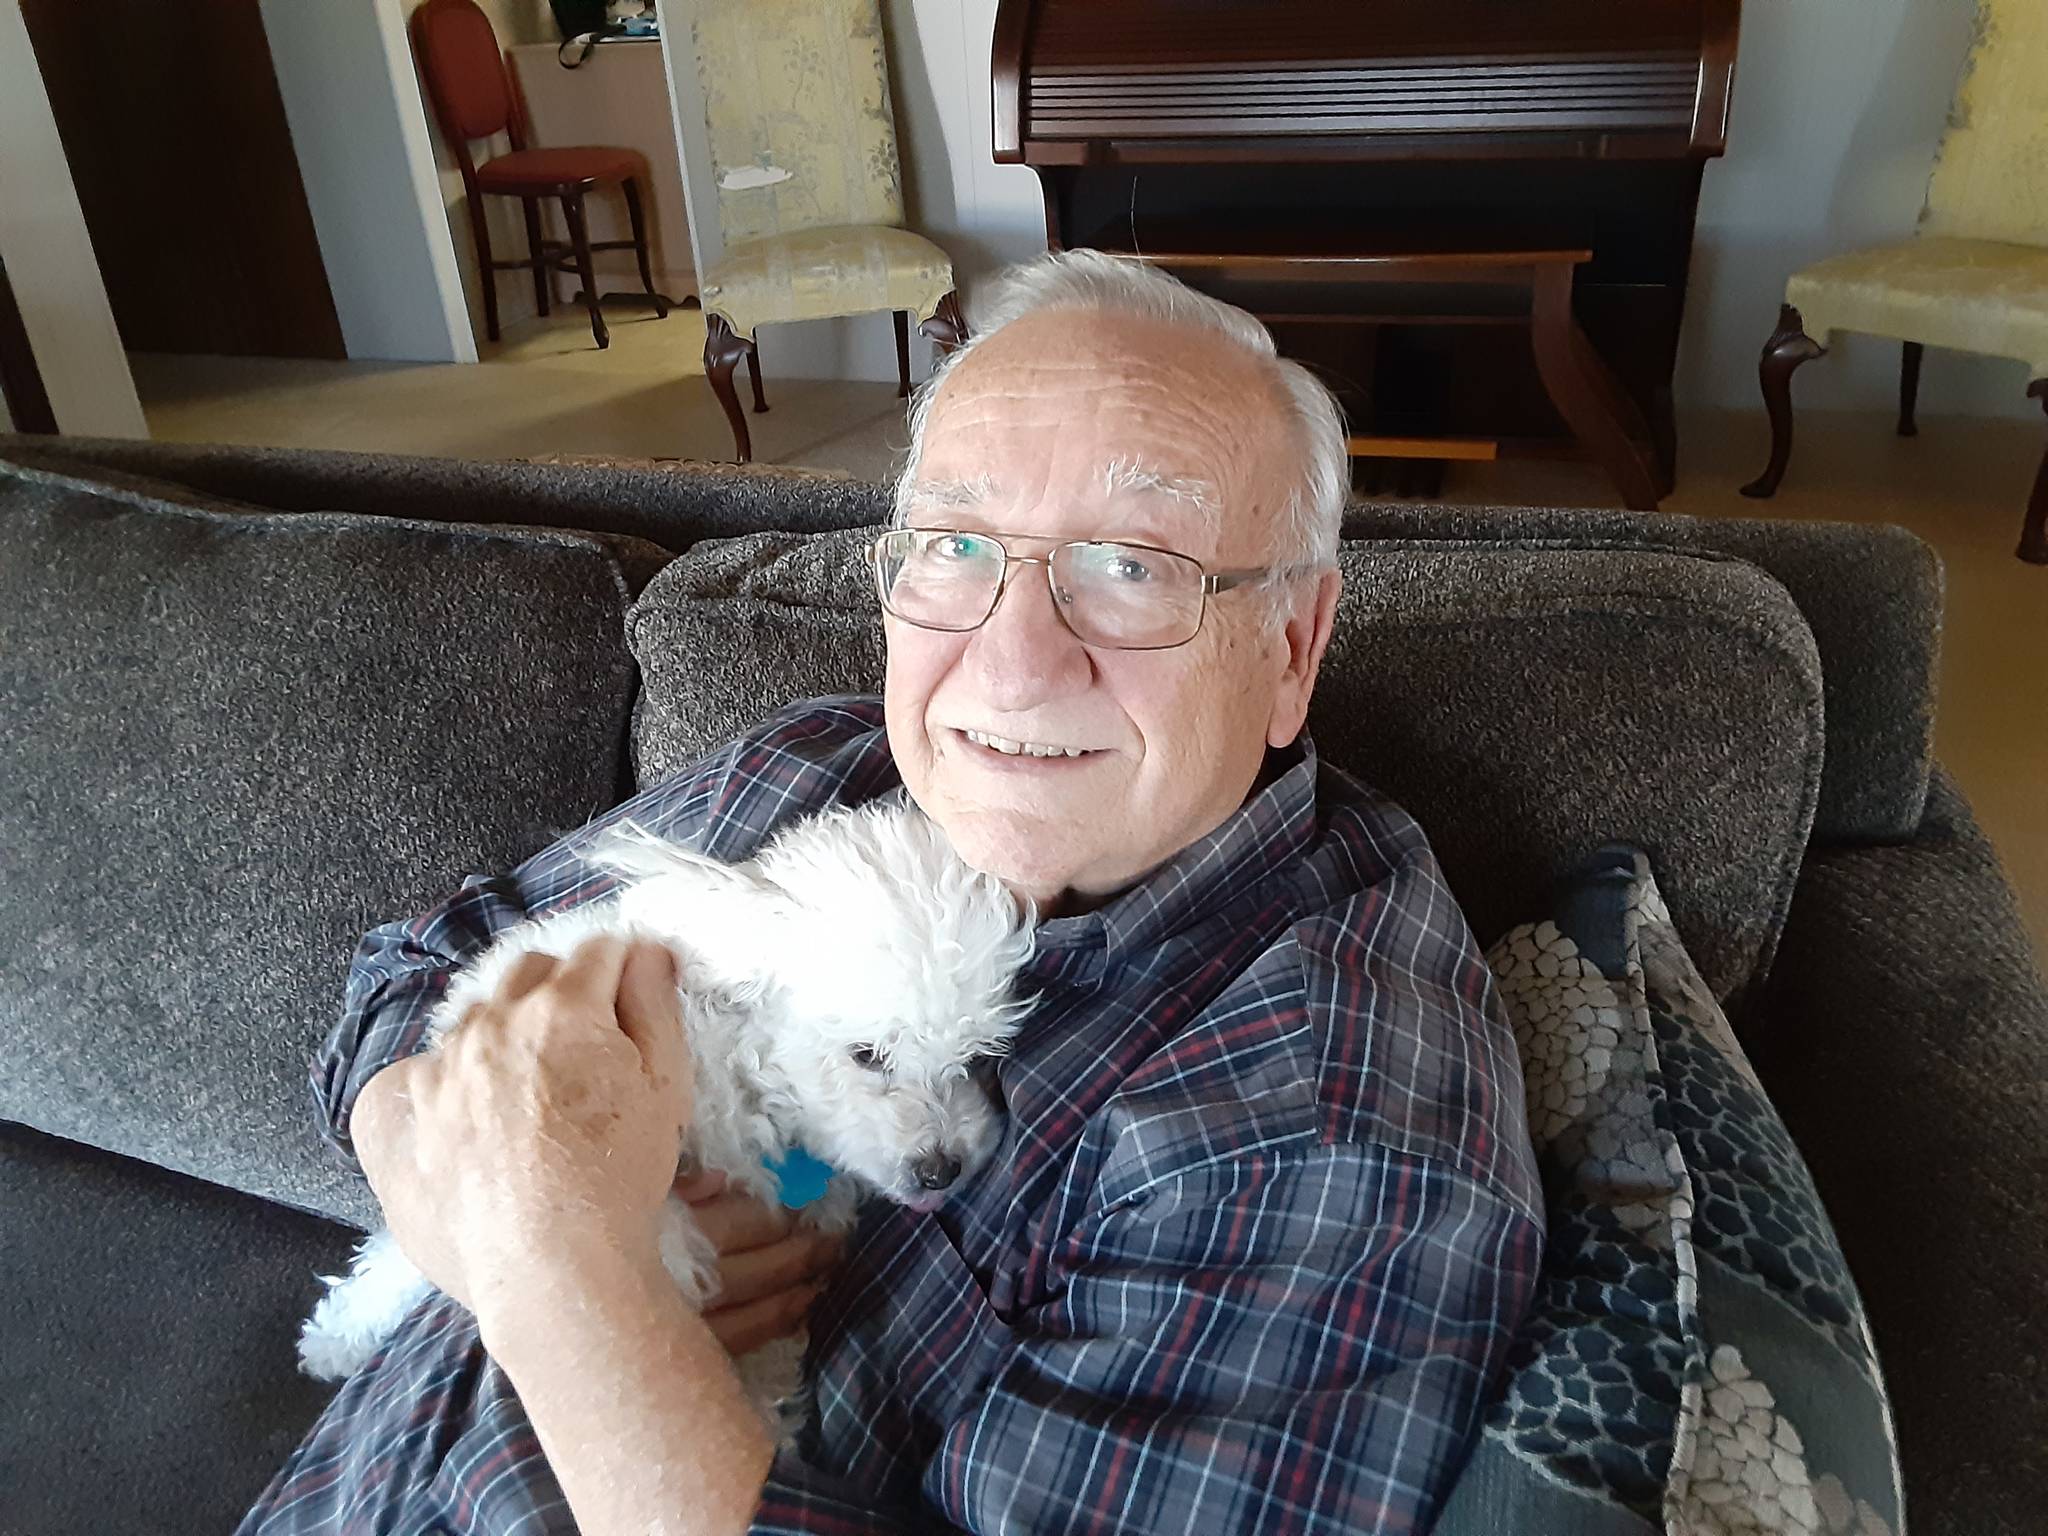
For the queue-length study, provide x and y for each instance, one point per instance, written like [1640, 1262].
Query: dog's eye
[867, 1058]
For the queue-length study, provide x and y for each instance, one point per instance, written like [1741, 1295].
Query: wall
[50, 259]
[362, 141]
[985, 215]
[1839, 107]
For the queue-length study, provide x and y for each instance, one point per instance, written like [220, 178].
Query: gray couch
[257, 702]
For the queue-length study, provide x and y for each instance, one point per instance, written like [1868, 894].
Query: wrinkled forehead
[1072, 421]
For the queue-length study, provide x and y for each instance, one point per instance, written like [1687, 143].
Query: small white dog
[837, 991]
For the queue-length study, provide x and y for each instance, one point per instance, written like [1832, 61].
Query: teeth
[1011, 748]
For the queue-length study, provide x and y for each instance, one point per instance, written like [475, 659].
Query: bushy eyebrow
[951, 493]
[1130, 474]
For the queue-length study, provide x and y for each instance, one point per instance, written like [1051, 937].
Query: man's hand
[546, 1125]
[769, 1272]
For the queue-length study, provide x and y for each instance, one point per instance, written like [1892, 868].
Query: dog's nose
[935, 1170]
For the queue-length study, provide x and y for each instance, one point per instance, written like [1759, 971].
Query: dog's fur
[856, 935]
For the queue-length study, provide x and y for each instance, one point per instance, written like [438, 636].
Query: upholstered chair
[807, 194]
[1975, 274]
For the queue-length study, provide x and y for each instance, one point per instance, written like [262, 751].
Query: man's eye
[1127, 568]
[867, 1058]
[960, 546]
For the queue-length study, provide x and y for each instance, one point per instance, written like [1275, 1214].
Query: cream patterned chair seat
[820, 274]
[1982, 296]
[1974, 277]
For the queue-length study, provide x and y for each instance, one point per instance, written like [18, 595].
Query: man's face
[1022, 440]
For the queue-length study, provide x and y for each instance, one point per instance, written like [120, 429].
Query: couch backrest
[1526, 706]
[236, 741]
[1872, 595]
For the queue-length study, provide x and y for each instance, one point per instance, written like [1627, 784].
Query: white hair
[1096, 280]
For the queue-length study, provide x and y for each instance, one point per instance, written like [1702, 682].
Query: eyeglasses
[1124, 597]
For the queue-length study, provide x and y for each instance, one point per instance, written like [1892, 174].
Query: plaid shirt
[1260, 1229]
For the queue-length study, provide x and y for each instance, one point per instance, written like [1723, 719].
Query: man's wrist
[594, 1271]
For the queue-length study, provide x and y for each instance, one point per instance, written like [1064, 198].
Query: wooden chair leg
[902, 318]
[536, 256]
[754, 373]
[486, 271]
[639, 223]
[579, 236]
[2034, 535]
[1788, 347]
[1909, 388]
[722, 350]
[947, 327]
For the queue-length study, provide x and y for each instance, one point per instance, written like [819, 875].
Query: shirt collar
[1274, 825]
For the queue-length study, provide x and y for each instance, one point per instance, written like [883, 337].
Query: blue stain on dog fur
[801, 1177]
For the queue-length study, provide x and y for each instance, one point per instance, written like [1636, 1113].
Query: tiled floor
[1961, 486]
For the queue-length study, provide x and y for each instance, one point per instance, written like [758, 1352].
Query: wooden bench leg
[2034, 536]
[1586, 394]
[1909, 387]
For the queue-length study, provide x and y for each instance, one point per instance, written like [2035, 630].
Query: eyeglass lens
[1122, 596]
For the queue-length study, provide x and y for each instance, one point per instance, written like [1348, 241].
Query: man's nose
[1024, 652]
[935, 1170]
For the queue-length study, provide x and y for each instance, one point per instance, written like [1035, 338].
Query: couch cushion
[236, 742]
[1526, 706]
[146, 1342]
[1872, 596]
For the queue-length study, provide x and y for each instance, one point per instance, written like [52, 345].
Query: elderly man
[1263, 1219]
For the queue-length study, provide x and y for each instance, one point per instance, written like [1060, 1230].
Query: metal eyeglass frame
[1212, 581]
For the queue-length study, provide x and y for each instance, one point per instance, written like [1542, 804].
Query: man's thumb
[650, 1013]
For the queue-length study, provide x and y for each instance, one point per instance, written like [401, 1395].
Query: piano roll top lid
[1135, 81]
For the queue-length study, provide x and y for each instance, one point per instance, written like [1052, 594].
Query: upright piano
[1277, 152]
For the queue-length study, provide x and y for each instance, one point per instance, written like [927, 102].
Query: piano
[1395, 186]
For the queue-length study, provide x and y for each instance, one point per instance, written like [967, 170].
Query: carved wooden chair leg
[579, 236]
[639, 223]
[2034, 536]
[947, 327]
[537, 256]
[902, 319]
[1788, 347]
[754, 374]
[1909, 388]
[722, 351]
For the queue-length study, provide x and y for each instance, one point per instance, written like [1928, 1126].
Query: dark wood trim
[1006, 80]
[1720, 41]
[1788, 349]
[21, 381]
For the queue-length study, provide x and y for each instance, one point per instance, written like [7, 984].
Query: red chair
[472, 95]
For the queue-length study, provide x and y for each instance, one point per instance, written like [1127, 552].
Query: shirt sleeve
[1292, 1341]
[401, 969]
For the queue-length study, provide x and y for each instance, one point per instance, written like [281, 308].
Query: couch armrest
[1906, 1042]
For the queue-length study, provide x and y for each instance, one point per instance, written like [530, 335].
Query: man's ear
[1307, 636]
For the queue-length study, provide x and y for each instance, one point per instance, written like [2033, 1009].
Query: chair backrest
[1991, 178]
[464, 71]
[797, 113]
